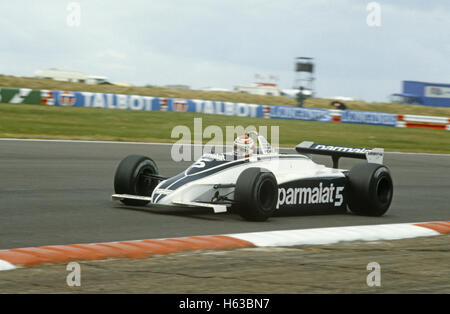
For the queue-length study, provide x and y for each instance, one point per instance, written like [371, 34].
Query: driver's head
[244, 146]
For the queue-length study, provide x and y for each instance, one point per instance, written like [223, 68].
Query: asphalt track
[59, 193]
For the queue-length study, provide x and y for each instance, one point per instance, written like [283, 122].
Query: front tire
[256, 194]
[371, 189]
[130, 178]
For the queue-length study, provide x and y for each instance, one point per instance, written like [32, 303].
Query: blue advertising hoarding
[367, 117]
[295, 113]
[102, 100]
[215, 107]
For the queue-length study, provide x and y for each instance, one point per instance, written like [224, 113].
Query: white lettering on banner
[98, 101]
[19, 97]
[198, 105]
[284, 112]
[117, 101]
[227, 108]
[148, 103]
[121, 101]
[219, 107]
[136, 103]
[368, 117]
[311, 195]
[242, 110]
[87, 98]
[208, 107]
[110, 101]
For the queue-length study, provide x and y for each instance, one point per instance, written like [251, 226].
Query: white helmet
[244, 146]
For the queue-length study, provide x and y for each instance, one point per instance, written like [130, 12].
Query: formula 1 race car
[257, 182]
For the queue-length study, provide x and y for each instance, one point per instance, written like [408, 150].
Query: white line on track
[317, 236]
[4, 265]
[167, 144]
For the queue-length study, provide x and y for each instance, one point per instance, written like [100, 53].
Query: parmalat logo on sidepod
[311, 195]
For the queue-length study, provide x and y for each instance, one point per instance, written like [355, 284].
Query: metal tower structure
[304, 75]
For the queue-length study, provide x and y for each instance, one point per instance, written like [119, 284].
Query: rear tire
[130, 179]
[371, 189]
[256, 194]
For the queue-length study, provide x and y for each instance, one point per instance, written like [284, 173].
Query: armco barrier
[148, 103]
[428, 122]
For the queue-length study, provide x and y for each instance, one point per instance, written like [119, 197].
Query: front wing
[217, 208]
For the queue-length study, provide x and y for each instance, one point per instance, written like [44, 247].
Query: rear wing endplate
[371, 155]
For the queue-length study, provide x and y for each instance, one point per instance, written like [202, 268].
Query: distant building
[343, 98]
[215, 89]
[259, 88]
[177, 86]
[423, 93]
[59, 75]
[71, 76]
[122, 84]
[94, 79]
[294, 92]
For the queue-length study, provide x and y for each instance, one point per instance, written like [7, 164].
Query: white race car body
[302, 184]
[212, 173]
[264, 184]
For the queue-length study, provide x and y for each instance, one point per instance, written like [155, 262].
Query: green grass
[34, 121]
[11, 81]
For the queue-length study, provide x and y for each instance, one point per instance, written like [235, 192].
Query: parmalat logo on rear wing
[341, 149]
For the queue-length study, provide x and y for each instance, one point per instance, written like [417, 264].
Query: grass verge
[34, 121]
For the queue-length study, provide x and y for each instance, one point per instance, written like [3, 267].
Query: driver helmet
[244, 146]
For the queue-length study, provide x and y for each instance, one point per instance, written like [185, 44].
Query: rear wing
[371, 155]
